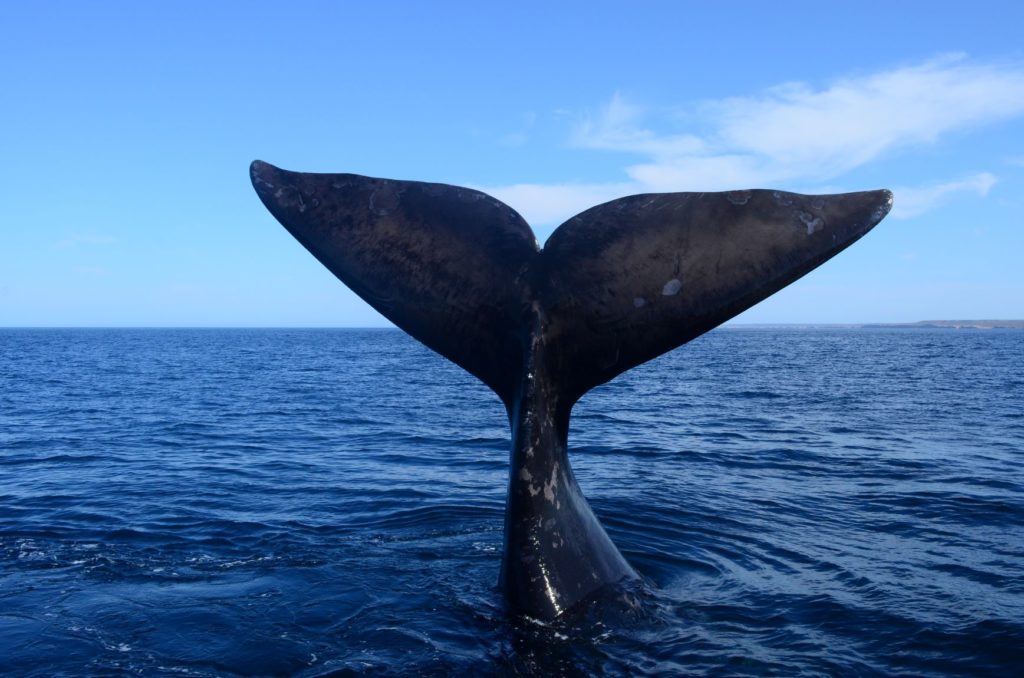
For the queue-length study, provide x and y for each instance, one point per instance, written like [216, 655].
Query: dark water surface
[330, 502]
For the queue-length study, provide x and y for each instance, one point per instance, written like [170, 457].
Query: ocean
[799, 502]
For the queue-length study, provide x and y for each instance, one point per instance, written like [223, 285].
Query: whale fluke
[613, 287]
[441, 262]
[633, 278]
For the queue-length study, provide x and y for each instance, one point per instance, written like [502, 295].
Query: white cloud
[543, 204]
[855, 120]
[792, 133]
[912, 202]
[795, 132]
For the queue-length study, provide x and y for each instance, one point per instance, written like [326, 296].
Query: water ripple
[326, 503]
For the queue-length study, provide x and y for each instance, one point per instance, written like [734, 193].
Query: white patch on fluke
[549, 487]
[671, 288]
[639, 302]
[738, 197]
[782, 198]
[812, 222]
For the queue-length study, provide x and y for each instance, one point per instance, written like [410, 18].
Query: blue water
[329, 502]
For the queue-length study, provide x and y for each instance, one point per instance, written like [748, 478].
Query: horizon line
[725, 325]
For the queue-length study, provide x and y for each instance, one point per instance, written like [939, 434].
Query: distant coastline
[921, 324]
[957, 324]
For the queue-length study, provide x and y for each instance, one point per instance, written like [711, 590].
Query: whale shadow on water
[613, 287]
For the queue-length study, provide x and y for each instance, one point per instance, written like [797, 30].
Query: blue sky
[126, 131]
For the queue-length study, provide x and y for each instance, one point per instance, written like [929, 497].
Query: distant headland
[957, 324]
[921, 324]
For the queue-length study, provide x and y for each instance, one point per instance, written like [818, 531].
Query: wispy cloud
[91, 270]
[522, 135]
[619, 127]
[792, 133]
[84, 239]
[795, 132]
[912, 202]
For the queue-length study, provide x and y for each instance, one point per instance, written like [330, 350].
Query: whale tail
[613, 287]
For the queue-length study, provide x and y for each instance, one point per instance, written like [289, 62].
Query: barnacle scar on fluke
[614, 287]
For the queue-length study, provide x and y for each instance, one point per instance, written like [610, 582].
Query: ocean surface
[800, 502]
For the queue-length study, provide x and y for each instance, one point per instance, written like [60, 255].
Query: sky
[126, 131]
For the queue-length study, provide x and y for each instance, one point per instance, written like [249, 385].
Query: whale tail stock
[614, 287]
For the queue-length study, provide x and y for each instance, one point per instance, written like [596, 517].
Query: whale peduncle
[556, 551]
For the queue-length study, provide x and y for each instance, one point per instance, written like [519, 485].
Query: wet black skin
[614, 287]
[556, 551]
